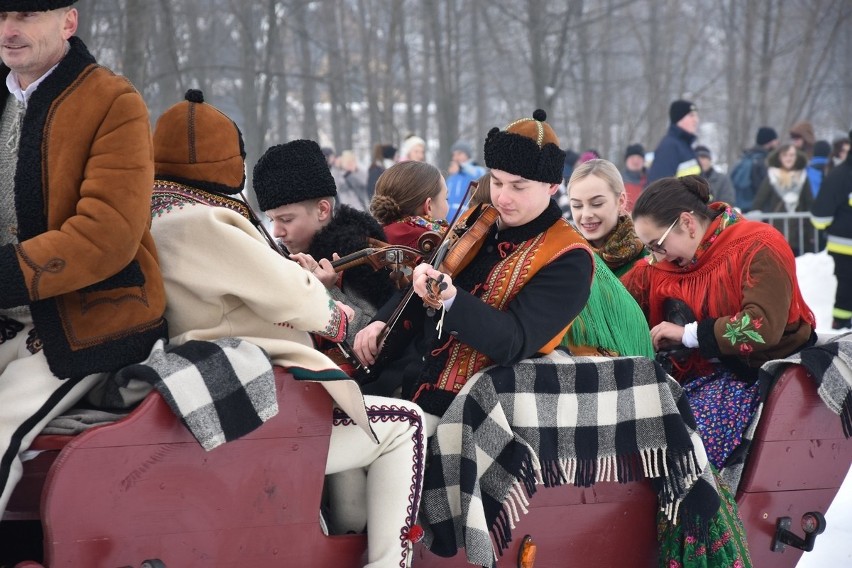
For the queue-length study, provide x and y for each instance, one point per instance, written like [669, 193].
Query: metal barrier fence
[796, 227]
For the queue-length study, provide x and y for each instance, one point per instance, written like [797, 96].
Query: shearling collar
[347, 233]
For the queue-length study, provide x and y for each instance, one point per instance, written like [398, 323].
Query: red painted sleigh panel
[143, 488]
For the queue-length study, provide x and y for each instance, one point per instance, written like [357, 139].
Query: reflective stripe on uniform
[841, 314]
[821, 222]
[839, 245]
[688, 168]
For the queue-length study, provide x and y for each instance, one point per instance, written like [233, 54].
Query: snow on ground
[834, 547]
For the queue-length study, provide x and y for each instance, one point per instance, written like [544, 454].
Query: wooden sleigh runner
[142, 492]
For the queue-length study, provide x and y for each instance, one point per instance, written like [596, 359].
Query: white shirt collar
[23, 95]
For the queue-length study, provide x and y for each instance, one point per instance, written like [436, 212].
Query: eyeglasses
[658, 246]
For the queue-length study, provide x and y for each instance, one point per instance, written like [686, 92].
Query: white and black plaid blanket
[553, 421]
[830, 365]
[221, 389]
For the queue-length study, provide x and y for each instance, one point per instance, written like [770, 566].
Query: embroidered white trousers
[387, 477]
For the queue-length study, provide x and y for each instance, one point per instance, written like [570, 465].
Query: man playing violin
[296, 190]
[515, 288]
[223, 280]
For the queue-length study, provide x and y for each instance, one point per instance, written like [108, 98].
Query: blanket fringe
[677, 471]
[846, 415]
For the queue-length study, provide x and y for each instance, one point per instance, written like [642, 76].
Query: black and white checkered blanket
[553, 421]
[221, 389]
[830, 365]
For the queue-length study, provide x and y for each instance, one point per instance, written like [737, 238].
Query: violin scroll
[428, 242]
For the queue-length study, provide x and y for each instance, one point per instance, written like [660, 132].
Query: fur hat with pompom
[527, 147]
[197, 144]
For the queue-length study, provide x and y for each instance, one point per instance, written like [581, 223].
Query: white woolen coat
[223, 280]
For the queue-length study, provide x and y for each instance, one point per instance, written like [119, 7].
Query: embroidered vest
[502, 285]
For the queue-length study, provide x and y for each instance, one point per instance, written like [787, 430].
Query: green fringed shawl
[611, 319]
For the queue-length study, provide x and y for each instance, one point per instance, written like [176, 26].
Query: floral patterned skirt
[723, 407]
[724, 544]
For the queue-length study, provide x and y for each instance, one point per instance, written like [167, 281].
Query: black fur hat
[33, 5]
[527, 147]
[292, 173]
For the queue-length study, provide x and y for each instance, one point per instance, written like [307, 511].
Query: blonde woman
[597, 199]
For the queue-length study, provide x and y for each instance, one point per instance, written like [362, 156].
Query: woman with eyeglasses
[722, 291]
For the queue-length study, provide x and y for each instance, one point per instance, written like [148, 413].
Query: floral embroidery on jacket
[439, 225]
[743, 330]
[335, 330]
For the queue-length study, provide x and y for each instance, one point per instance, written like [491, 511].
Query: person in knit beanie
[485, 313]
[213, 256]
[413, 148]
[673, 156]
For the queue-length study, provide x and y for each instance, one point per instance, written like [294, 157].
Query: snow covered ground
[834, 547]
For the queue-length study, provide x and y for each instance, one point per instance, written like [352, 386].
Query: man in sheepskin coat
[80, 288]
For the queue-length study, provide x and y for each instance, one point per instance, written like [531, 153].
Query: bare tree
[604, 70]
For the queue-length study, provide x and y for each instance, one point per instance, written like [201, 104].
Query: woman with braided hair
[410, 199]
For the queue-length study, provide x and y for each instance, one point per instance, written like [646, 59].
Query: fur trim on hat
[292, 173]
[528, 148]
[198, 145]
[33, 5]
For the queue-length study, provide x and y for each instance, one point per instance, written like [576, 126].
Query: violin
[451, 255]
[400, 259]
[458, 251]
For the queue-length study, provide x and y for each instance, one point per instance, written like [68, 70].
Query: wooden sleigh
[142, 492]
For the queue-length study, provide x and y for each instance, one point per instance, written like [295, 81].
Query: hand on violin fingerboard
[322, 268]
[433, 286]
